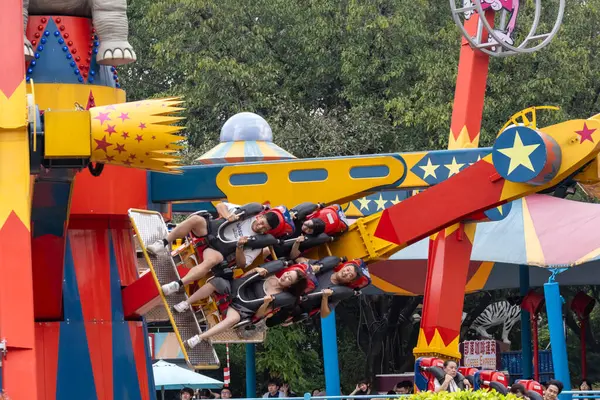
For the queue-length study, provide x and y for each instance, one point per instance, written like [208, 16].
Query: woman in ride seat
[255, 294]
[337, 280]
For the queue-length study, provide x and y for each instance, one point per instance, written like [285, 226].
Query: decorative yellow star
[395, 201]
[519, 154]
[429, 169]
[453, 168]
[380, 202]
[364, 203]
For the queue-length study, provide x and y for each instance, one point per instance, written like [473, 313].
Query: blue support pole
[330, 355]
[558, 342]
[250, 370]
[527, 352]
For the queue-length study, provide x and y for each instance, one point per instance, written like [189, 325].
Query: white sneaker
[156, 247]
[193, 341]
[170, 288]
[181, 307]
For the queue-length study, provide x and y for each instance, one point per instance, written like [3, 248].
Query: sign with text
[480, 354]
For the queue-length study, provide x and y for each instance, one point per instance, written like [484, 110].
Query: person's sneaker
[156, 247]
[193, 341]
[181, 307]
[170, 288]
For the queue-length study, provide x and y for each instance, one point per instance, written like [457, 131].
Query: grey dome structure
[245, 137]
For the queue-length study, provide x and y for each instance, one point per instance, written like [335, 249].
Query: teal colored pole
[330, 355]
[250, 370]
[558, 342]
[527, 352]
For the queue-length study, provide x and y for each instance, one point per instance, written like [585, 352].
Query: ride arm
[264, 308]
[240, 256]
[303, 210]
[327, 263]
[328, 303]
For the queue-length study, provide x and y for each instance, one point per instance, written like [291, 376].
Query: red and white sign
[480, 354]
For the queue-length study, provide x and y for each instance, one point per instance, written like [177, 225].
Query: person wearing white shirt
[239, 229]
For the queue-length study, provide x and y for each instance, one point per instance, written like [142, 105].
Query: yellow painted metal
[137, 134]
[338, 187]
[62, 96]
[526, 117]
[67, 134]
[575, 155]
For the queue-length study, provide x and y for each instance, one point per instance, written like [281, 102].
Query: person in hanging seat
[261, 290]
[315, 224]
[338, 279]
[239, 234]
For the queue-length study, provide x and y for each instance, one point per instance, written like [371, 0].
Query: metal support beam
[330, 355]
[250, 370]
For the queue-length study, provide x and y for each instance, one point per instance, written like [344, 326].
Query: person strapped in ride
[239, 233]
[337, 280]
[314, 225]
[257, 293]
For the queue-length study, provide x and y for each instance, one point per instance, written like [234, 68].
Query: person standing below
[553, 389]
[225, 393]
[186, 393]
[273, 390]
[449, 383]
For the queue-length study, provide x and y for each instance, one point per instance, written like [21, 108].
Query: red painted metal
[139, 341]
[48, 261]
[46, 335]
[140, 297]
[445, 291]
[416, 217]
[124, 247]
[112, 193]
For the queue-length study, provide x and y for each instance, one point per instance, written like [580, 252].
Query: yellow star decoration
[395, 201]
[519, 154]
[453, 168]
[364, 203]
[380, 202]
[429, 169]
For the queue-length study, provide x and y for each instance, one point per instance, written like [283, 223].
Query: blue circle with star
[498, 213]
[519, 154]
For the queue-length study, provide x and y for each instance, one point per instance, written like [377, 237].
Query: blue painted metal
[257, 178]
[197, 182]
[193, 206]
[149, 372]
[72, 343]
[125, 380]
[309, 175]
[250, 370]
[373, 171]
[444, 158]
[558, 341]
[330, 355]
[527, 352]
[50, 203]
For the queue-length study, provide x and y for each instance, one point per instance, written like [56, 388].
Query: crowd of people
[288, 287]
[274, 389]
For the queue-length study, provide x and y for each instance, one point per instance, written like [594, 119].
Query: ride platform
[149, 227]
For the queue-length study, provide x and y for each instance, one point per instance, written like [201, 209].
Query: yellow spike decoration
[137, 134]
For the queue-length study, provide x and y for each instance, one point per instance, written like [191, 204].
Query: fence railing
[576, 394]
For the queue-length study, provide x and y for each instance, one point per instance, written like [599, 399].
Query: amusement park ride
[76, 162]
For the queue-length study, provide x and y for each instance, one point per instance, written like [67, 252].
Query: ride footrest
[150, 227]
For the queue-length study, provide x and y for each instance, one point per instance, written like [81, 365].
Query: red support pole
[536, 350]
